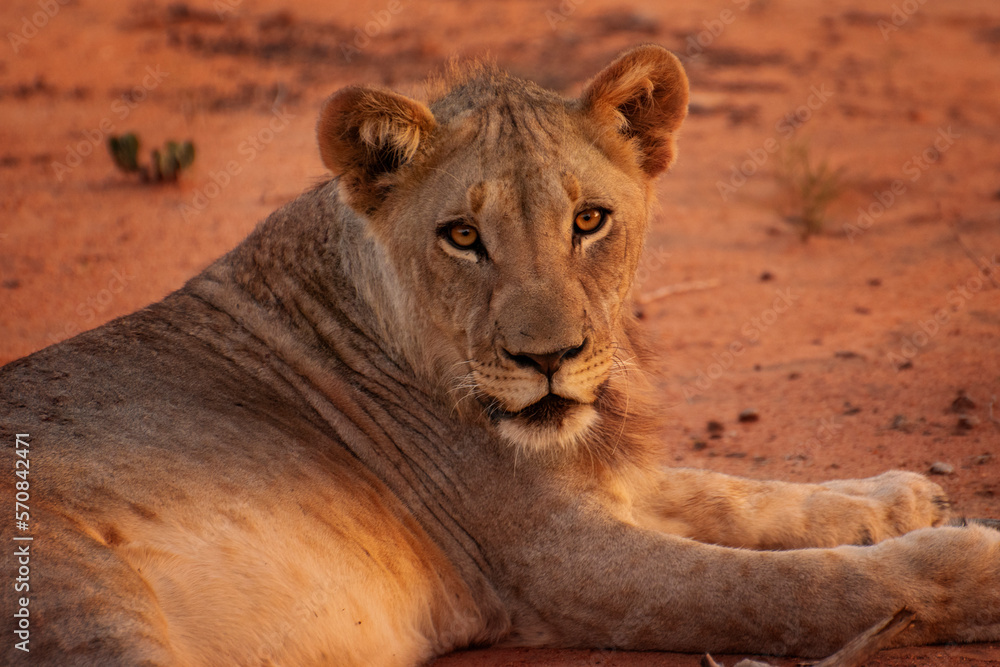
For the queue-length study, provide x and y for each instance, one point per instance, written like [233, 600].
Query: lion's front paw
[912, 501]
[904, 501]
[956, 575]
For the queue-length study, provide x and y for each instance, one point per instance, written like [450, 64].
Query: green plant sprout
[165, 165]
[809, 188]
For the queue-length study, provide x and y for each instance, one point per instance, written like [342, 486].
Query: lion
[410, 413]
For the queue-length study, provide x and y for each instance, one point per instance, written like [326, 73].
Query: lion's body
[354, 441]
[227, 490]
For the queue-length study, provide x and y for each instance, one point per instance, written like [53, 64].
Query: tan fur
[352, 442]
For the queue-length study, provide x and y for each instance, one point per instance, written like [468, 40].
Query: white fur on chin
[535, 438]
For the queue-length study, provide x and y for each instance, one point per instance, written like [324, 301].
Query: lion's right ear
[365, 135]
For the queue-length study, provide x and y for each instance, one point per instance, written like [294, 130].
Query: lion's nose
[547, 363]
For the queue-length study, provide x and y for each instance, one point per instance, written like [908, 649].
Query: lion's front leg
[731, 511]
[589, 581]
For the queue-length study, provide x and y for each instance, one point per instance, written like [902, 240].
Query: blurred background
[822, 273]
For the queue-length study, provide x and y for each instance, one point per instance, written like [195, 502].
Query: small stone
[962, 403]
[982, 459]
[715, 428]
[850, 409]
[699, 445]
[766, 276]
[967, 422]
[899, 423]
[875, 282]
[942, 468]
[748, 416]
[905, 366]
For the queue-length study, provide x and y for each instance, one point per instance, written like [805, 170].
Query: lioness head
[509, 222]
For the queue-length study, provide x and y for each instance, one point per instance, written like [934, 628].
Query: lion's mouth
[551, 422]
[548, 410]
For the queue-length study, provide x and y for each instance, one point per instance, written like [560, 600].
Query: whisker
[626, 366]
[463, 386]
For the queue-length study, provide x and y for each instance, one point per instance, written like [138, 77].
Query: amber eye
[463, 236]
[589, 220]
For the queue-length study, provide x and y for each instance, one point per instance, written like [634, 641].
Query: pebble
[942, 468]
[962, 403]
[899, 423]
[967, 422]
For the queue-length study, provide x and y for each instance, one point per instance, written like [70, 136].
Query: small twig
[857, 652]
[993, 399]
[985, 270]
[677, 288]
[707, 661]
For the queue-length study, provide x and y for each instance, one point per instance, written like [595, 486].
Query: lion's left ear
[644, 95]
[365, 135]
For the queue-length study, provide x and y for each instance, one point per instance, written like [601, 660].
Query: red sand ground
[871, 87]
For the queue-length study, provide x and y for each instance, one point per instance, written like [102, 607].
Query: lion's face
[515, 225]
[528, 251]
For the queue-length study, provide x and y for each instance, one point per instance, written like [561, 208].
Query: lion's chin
[550, 424]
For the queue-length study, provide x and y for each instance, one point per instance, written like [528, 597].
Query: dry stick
[707, 661]
[677, 288]
[985, 270]
[868, 643]
[857, 652]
